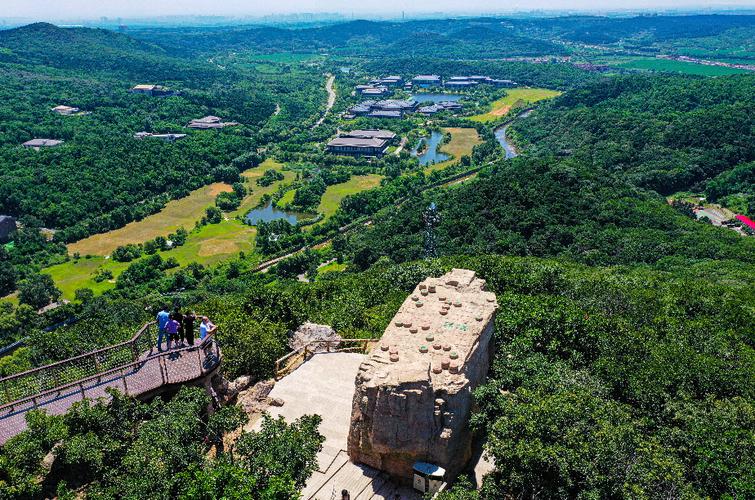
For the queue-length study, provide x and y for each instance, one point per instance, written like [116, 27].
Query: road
[329, 86]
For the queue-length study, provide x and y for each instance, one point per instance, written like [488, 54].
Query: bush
[127, 253]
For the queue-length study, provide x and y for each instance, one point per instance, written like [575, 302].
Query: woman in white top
[206, 328]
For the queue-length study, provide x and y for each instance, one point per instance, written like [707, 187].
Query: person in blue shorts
[162, 321]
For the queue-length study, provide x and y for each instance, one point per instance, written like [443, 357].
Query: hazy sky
[62, 9]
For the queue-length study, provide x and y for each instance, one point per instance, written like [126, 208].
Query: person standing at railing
[206, 328]
[172, 329]
[162, 321]
[180, 318]
[188, 325]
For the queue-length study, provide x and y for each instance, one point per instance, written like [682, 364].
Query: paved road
[329, 86]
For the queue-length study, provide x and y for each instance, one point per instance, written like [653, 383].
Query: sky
[93, 9]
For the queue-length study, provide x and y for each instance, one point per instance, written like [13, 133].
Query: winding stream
[503, 140]
[508, 147]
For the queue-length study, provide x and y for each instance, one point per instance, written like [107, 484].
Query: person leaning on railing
[207, 328]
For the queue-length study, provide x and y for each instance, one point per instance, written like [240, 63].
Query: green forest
[625, 338]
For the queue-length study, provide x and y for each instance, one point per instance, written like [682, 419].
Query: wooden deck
[150, 372]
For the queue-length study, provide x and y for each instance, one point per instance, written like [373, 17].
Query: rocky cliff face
[414, 394]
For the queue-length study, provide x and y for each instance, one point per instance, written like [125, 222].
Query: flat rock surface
[324, 385]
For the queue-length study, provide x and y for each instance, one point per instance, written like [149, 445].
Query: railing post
[125, 385]
[163, 370]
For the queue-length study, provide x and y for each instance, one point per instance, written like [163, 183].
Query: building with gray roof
[358, 146]
[42, 143]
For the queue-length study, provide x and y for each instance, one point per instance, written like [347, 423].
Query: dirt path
[331, 99]
[400, 146]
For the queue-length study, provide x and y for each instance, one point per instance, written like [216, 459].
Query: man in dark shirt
[188, 325]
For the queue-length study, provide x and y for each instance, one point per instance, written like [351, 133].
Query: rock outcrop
[312, 332]
[414, 394]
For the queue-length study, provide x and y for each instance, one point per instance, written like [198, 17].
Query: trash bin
[428, 478]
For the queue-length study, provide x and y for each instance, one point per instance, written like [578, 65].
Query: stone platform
[324, 385]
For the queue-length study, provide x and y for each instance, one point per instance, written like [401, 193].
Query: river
[508, 147]
[503, 140]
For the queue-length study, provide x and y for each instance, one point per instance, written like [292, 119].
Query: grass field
[337, 192]
[206, 245]
[333, 267]
[679, 67]
[288, 197]
[462, 142]
[184, 212]
[283, 57]
[502, 106]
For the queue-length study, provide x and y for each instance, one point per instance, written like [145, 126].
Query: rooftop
[385, 114]
[42, 143]
[370, 134]
[357, 142]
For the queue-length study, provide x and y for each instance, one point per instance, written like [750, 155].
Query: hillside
[468, 39]
[624, 347]
[664, 133]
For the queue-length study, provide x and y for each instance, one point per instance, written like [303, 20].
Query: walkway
[329, 86]
[324, 385]
[150, 371]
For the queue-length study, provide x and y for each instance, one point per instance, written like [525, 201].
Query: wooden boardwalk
[151, 371]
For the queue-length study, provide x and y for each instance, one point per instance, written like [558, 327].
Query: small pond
[429, 148]
[270, 213]
[422, 97]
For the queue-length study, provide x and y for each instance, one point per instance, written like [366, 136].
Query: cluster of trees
[734, 188]
[666, 133]
[650, 370]
[269, 177]
[313, 184]
[128, 449]
[132, 251]
[545, 207]
[102, 178]
[228, 201]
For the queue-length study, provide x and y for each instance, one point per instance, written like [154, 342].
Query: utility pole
[432, 219]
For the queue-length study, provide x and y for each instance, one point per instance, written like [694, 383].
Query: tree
[8, 276]
[38, 290]
[213, 215]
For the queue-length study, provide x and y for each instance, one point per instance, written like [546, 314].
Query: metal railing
[293, 359]
[44, 378]
[95, 364]
[146, 374]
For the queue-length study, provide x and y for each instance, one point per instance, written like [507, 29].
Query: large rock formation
[414, 394]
